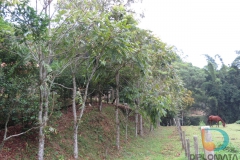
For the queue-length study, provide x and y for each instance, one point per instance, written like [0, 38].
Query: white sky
[196, 27]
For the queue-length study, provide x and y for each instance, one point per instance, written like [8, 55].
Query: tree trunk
[75, 126]
[86, 91]
[158, 123]
[113, 95]
[77, 120]
[137, 101]
[136, 123]
[44, 92]
[126, 130]
[91, 99]
[182, 118]
[43, 108]
[108, 94]
[126, 121]
[140, 125]
[151, 127]
[100, 98]
[116, 112]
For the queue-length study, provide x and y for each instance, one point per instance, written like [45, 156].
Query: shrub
[201, 123]
[238, 122]
[196, 120]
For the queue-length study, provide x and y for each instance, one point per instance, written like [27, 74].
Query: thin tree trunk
[5, 133]
[43, 108]
[158, 123]
[151, 127]
[108, 94]
[86, 92]
[91, 99]
[75, 126]
[140, 125]
[182, 118]
[41, 133]
[136, 113]
[77, 120]
[100, 98]
[116, 112]
[126, 121]
[136, 123]
[126, 130]
[113, 95]
[44, 92]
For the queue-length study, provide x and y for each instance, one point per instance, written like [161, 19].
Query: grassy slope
[97, 140]
[96, 137]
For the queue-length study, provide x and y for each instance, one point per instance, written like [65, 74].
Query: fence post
[179, 124]
[196, 147]
[180, 128]
[175, 122]
[184, 143]
[188, 149]
[207, 138]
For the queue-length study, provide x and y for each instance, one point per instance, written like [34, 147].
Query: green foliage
[5, 27]
[229, 148]
[201, 123]
[238, 122]
[93, 42]
[19, 95]
[214, 89]
[50, 131]
[194, 120]
[28, 26]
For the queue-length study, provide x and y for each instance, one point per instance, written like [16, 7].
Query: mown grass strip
[161, 144]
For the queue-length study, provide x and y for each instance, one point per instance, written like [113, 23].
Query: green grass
[97, 140]
[164, 144]
[161, 144]
[233, 131]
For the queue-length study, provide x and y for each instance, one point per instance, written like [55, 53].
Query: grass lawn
[233, 131]
[164, 144]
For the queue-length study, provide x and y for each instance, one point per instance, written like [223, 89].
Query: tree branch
[63, 86]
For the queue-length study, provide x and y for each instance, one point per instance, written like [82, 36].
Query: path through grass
[162, 144]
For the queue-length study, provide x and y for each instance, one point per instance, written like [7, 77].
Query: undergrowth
[96, 137]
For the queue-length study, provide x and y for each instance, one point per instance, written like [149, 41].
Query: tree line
[50, 55]
[215, 87]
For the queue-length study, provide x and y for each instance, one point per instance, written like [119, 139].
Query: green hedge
[194, 120]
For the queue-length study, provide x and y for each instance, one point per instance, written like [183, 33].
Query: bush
[238, 122]
[201, 123]
[196, 120]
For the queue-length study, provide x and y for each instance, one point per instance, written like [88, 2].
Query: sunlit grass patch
[163, 143]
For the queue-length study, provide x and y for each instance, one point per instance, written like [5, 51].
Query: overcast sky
[196, 27]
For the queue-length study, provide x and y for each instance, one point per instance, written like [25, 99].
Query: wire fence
[194, 151]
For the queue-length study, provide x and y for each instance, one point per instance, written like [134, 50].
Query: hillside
[96, 136]
[97, 139]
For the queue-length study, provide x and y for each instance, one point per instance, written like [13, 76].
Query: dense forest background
[93, 51]
[215, 88]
